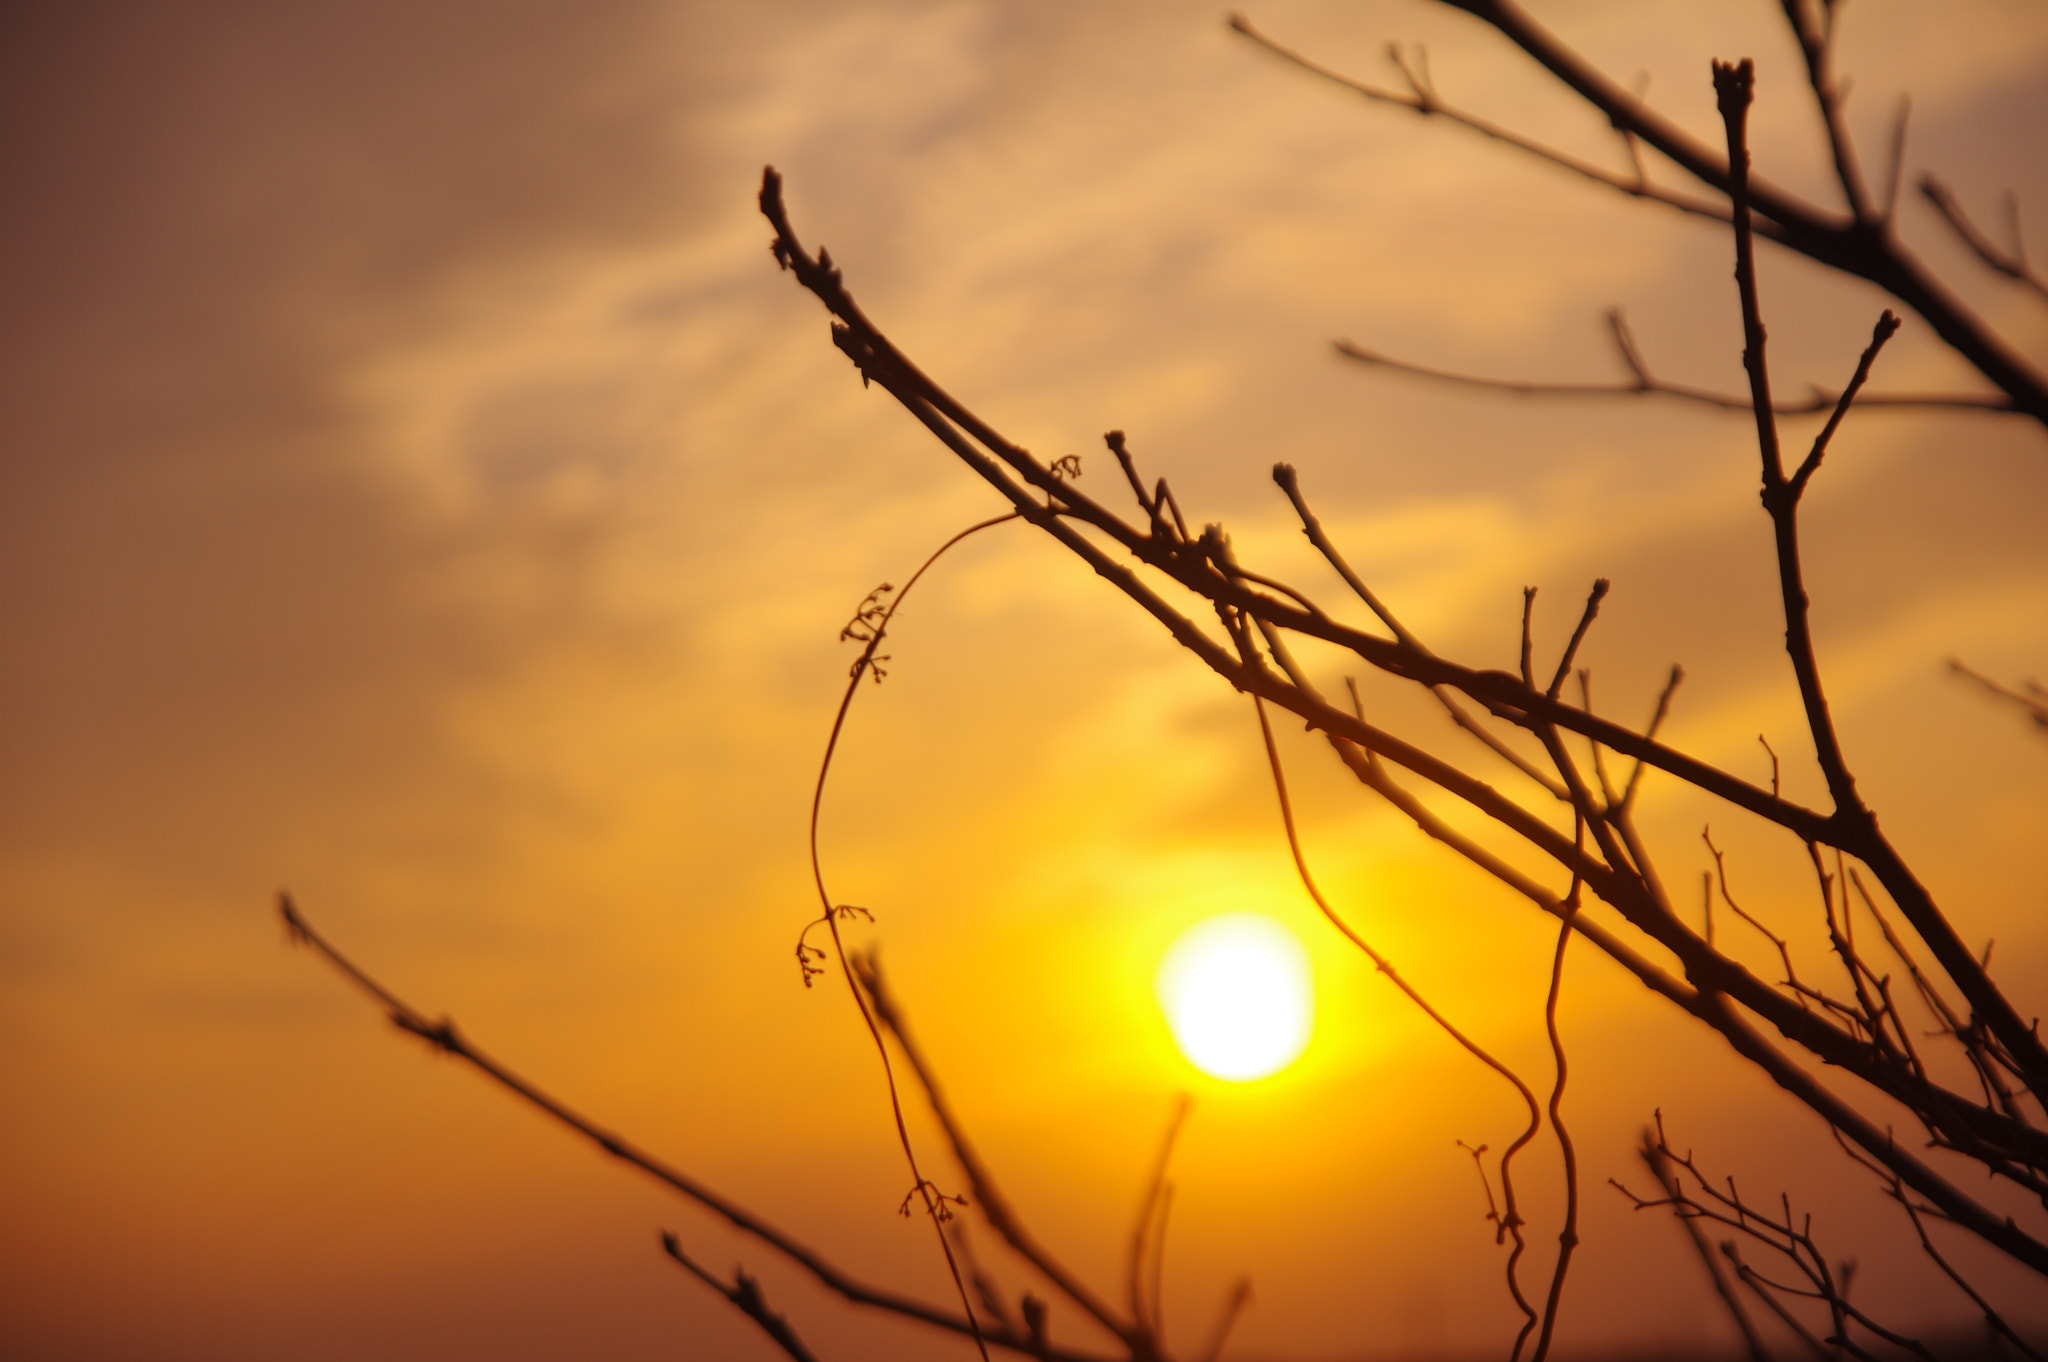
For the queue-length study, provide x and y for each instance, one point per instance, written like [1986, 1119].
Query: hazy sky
[422, 490]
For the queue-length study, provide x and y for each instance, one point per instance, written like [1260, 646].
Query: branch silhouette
[1863, 1041]
[1863, 242]
[446, 1039]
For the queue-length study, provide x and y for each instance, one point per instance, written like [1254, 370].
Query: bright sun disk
[1236, 992]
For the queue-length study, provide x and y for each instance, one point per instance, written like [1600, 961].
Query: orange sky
[421, 490]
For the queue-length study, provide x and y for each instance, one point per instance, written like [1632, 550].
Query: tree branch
[443, 1036]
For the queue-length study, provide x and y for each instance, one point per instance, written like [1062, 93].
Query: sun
[1235, 989]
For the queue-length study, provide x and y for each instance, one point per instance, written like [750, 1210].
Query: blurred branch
[1233, 1306]
[1790, 1238]
[1653, 1157]
[2010, 263]
[1148, 1234]
[995, 1207]
[745, 1296]
[1861, 243]
[443, 1036]
[2032, 697]
[1422, 97]
[1642, 383]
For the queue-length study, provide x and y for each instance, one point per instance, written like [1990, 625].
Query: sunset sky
[423, 492]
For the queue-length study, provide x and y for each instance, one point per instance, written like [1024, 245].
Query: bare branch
[1233, 1305]
[871, 626]
[1571, 650]
[1148, 1233]
[1509, 1223]
[1644, 385]
[2033, 698]
[1653, 1156]
[745, 1294]
[1887, 327]
[1714, 981]
[1423, 99]
[995, 1207]
[1857, 245]
[2010, 263]
[446, 1039]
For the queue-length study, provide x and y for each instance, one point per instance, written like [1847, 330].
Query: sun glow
[1236, 992]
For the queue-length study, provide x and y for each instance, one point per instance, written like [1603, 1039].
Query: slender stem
[745, 1295]
[1568, 1236]
[444, 1037]
[1819, 400]
[1511, 1220]
[995, 1206]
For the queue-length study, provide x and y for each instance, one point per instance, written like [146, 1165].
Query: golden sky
[422, 491]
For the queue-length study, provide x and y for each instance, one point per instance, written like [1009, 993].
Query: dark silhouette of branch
[745, 1295]
[1568, 1234]
[1226, 1319]
[1897, 1192]
[870, 625]
[2012, 263]
[1422, 97]
[865, 968]
[1509, 1223]
[1715, 986]
[1789, 1237]
[1659, 1164]
[1643, 383]
[2032, 697]
[443, 1036]
[1862, 242]
[1148, 1232]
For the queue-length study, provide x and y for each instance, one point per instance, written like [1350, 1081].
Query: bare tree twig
[745, 1295]
[1423, 99]
[1859, 244]
[1715, 985]
[1148, 1233]
[1646, 386]
[995, 1206]
[443, 1036]
[2033, 698]
[1791, 1239]
[870, 626]
[1659, 1165]
[1233, 1305]
[2010, 263]
[1509, 1222]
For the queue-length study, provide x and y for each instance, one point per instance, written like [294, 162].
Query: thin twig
[2033, 699]
[1423, 99]
[1568, 1235]
[1510, 1222]
[1819, 400]
[1233, 1305]
[1659, 1165]
[1151, 1214]
[877, 621]
[1657, 717]
[745, 1294]
[2010, 263]
[1287, 480]
[995, 1207]
[1571, 649]
[444, 1037]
